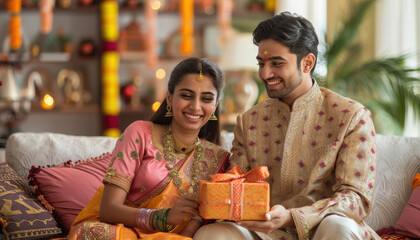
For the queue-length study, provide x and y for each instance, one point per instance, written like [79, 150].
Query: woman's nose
[195, 104]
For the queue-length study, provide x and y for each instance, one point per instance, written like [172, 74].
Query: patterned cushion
[66, 189]
[26, 217]
[394, 237]
[409, 222]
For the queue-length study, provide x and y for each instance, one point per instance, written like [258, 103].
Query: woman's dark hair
[291, 30]
[211, 130]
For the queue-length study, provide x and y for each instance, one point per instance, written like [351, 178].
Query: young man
[319, 146]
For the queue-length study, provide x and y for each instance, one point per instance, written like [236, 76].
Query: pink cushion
[66, 189]
[409, 222]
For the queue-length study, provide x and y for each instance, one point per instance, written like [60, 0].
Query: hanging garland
[15, 33]
[46, 15]
[186, 8]
[110, 65]
[224, 10]
[151, 14]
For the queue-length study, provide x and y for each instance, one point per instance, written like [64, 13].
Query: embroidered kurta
[320, 153]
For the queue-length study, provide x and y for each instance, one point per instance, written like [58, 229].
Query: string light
[156, 5]
[160, 73]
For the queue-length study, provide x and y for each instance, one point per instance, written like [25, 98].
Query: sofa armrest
[398, 161]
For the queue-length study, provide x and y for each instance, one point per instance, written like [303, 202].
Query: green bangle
[168, 227]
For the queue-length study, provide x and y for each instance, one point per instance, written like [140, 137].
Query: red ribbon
[236, 177]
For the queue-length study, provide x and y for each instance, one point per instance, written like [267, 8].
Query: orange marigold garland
[186, 8]
[15, 32]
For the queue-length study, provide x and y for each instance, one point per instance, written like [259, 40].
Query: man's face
[279, 71]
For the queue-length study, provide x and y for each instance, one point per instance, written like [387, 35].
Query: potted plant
[384, 85]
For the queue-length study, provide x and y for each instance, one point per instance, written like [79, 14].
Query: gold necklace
[172, 146]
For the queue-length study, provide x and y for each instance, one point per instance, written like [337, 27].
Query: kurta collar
[307, 97]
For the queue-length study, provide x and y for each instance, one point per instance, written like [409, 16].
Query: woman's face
[193, 102]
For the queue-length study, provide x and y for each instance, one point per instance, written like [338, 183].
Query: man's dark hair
[291, 30]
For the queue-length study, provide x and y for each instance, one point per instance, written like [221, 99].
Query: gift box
[235, 196]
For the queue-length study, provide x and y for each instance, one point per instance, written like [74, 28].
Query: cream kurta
[321, 156]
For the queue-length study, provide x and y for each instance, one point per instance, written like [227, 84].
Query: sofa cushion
[409, 222]
[398, 162]
[25, 149]
[66, 189]
[25, 216]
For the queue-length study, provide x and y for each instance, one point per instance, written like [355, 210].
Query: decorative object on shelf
[186, 9]
[132, 3]
[36, 85]
[12, 103]
[64, 40]
[237, 59]
[64, 4]
[110, 64]
[131, 92]
[256, 5]
[71, 85]
[45, 41]
[151, 41]
[87, 48]
[15, 31]
[132, 42]
[86, 3]
[28, 4]
[207, 6]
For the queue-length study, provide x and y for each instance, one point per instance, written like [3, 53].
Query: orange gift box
[235, 196]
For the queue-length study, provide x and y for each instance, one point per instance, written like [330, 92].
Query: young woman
[151, 187]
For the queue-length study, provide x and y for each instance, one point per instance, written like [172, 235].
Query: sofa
[51, 157]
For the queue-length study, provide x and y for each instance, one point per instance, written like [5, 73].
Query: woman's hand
[277, 217]
[185, 207]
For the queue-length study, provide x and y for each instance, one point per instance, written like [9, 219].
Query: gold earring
[213, 117]
[169, 111]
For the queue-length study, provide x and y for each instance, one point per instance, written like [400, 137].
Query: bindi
[266, 56]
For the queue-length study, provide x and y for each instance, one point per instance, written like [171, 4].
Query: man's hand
[277, 217]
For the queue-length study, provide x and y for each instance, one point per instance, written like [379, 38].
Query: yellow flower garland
[110, 65]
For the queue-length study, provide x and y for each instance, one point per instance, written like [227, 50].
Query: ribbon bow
[236, 178]
[236, 174]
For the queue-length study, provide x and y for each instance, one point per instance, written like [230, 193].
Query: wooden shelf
[88, 108]
[52, 58]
